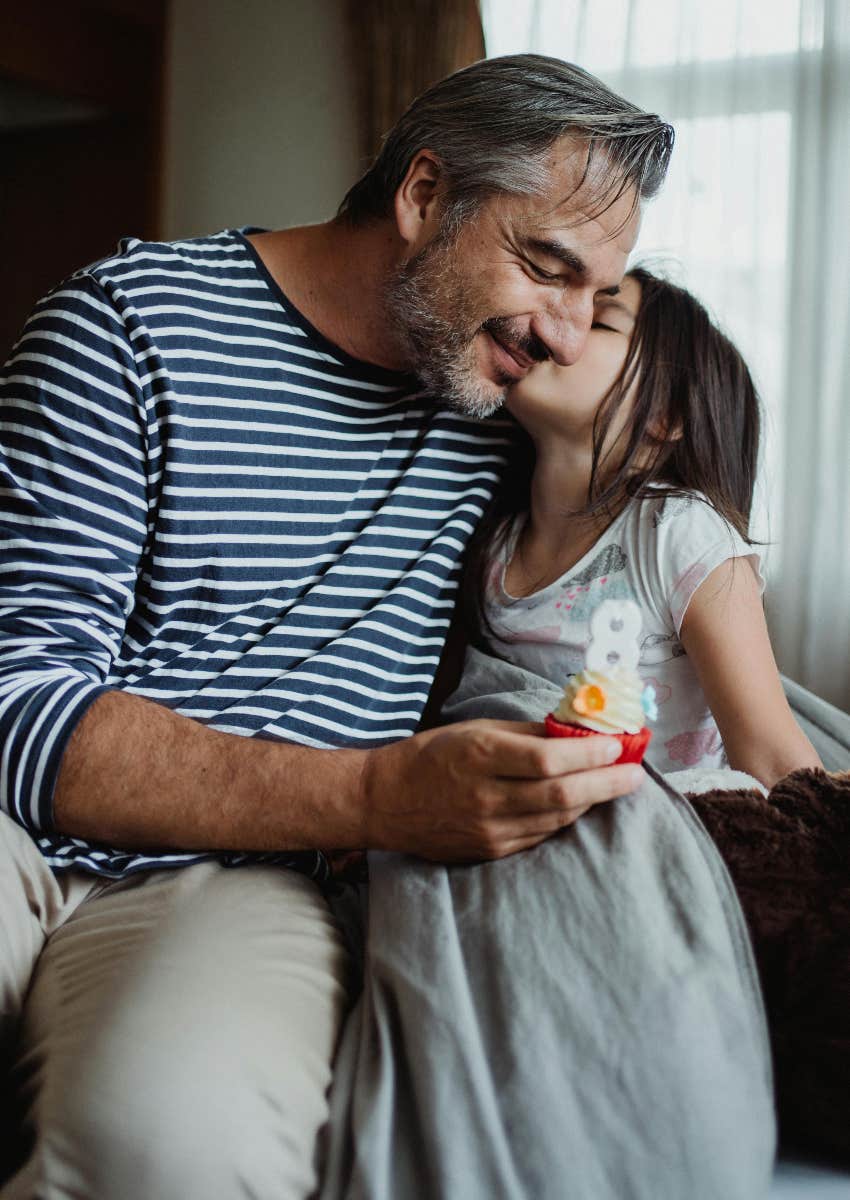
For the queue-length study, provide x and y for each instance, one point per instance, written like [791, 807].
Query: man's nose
[563, 329]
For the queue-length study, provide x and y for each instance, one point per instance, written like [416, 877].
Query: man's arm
[90, 760]
[73, 526]
[136, 774]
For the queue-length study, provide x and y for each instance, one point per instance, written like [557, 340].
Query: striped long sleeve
[73, 524]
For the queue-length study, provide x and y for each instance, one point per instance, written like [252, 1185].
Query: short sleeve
[690, 539]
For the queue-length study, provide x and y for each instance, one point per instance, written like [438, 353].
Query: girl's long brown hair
[692, 384]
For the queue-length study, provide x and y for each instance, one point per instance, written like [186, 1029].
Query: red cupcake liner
[634, 744]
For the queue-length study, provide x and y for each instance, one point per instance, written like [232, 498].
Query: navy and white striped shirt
[207, 504]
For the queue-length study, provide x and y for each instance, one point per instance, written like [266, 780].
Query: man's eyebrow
[569, 258]
[553, 249]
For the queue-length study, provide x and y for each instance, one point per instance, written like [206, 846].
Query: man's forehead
[615, 228]
[580, 200]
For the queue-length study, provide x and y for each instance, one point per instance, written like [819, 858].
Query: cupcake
[608, 696]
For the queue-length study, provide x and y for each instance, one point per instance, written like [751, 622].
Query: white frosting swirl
[622, 711]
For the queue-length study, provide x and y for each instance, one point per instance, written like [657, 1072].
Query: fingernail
[612, 751]
[635, 778]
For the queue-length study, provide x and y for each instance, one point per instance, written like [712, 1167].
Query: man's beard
[437, 314]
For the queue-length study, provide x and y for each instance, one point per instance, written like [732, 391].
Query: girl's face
[562, 402]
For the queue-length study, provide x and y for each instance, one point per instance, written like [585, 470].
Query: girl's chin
[539, 393]
[546, 417]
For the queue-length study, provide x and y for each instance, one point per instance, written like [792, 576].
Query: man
[233, 532]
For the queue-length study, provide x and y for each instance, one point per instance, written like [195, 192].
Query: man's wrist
[365, 789]
[345, 809]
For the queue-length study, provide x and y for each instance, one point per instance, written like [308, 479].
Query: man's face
[515, 286]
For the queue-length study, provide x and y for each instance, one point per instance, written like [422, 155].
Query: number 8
[614, 630]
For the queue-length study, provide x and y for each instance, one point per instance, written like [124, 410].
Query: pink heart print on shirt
[585, 590]
[691, 748]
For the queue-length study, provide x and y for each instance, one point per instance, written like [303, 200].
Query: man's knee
[196, 1058]
[158, 1122]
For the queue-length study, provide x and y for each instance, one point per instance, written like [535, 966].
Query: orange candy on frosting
[589, 699]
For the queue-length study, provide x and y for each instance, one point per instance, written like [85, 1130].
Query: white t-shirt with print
[656, 552]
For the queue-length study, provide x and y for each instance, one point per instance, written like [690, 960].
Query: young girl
[636, 480]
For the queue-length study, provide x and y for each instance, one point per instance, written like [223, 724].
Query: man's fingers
[594, 787]
[533, 827]
[516, 751]
[567, 795]
[554, 805]
[510, 835]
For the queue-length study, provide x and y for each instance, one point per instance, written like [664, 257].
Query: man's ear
[417, 201]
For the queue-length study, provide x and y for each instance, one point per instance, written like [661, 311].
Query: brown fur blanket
[789, 857]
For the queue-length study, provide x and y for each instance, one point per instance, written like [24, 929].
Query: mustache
[504, 330]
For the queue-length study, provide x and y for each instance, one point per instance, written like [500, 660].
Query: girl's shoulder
[667, 517]
[680, 539]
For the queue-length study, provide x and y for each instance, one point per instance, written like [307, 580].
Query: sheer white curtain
[755, 219]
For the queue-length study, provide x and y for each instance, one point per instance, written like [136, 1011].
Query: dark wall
[70, 188]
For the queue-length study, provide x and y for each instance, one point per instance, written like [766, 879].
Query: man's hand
[485, 789]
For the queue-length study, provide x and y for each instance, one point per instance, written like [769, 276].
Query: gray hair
[492, 124]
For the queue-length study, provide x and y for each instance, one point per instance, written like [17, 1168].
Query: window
[754, 220]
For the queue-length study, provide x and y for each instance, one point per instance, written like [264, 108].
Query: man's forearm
[136, 774]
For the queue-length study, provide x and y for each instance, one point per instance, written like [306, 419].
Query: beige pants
[170, 1036]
